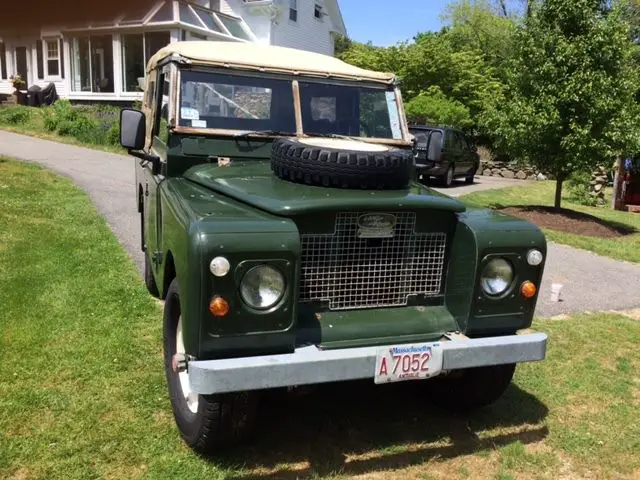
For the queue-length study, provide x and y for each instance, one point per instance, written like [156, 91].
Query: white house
[104, 60]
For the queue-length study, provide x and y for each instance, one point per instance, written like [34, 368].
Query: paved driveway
[590, 282]
[459, 187]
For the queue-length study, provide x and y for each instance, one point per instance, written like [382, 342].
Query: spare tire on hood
[341, 163]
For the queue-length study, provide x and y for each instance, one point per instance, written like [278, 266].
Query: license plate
[408, 362]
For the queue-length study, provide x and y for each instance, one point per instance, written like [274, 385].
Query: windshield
[349, 110]
[262, 104]
[233, 102]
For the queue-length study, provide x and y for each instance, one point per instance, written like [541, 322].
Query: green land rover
[284, 229]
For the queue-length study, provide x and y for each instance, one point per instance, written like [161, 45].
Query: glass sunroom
[105, 60]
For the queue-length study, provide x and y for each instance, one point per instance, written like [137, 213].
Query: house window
[53, 58]
[293, 10]
[3, 61]
[137, 49]
[92, 64]
[317, 11]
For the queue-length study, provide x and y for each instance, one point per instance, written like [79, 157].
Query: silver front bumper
[311, 365]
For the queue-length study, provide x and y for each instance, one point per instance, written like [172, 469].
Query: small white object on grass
[556, 288]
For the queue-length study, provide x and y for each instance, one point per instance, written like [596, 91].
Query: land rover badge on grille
[376, 225]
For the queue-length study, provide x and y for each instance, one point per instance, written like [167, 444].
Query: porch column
[117, 64]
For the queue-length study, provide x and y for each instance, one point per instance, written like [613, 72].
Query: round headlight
[497, 276]
[534, 257]
[262, 287]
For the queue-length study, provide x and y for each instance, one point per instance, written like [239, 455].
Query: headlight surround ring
[497, 277]
[262, 287]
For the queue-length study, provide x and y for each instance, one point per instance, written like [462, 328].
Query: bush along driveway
[109, 179]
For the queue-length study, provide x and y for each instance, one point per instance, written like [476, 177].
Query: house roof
[267, 58]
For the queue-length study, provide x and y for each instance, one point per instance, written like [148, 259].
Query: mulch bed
[568, 221]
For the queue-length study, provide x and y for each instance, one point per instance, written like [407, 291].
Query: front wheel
[472, 388]
[206, 422]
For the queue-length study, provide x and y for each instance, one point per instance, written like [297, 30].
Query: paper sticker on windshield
[199, 123]
[394, 118]
[189, 113]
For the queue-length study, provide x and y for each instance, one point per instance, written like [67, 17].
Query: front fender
[479, 235]
[199, 225]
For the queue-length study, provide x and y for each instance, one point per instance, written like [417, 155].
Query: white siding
[307, 33]
[5, 85]
[7, 89]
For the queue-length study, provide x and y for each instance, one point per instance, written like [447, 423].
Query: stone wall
[511, 170]
[597, 185]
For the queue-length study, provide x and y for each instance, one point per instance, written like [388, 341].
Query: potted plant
[18, 84]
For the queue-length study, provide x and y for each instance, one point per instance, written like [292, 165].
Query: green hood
[254, 184]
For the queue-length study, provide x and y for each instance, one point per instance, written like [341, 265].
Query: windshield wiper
[263, 133]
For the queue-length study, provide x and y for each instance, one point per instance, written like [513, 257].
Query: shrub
[18, 115]
[90, 124]
[113, 135]
[579, 189]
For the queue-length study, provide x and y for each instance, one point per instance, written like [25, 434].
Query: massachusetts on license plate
[408, 362]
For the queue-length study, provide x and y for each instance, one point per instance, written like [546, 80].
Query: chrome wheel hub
[185, 386]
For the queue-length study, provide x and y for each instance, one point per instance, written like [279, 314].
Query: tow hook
[179, 363]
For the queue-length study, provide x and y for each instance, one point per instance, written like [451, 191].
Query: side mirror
[132, 129]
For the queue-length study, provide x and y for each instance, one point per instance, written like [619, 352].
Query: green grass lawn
[542, 193]
[82, 390]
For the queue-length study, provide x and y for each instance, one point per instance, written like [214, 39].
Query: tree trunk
[616, 203]
[503, 6]
[558, 201]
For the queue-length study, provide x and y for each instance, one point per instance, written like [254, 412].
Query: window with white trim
[52, 49]
[317, 11]
[293, 10]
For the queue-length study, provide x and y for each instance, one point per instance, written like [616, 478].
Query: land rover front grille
[350, 271]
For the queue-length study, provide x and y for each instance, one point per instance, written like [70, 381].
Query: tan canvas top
[267, 58]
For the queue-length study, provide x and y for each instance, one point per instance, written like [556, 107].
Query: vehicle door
[158, 118]
[453, 150]
[466, 155]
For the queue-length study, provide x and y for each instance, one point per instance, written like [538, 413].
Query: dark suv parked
[444, 153]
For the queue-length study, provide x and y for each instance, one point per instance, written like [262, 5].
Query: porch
[105, 61]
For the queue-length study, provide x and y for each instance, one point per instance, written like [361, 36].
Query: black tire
[149, 281]
[298, 162]
[220, 420]
[470, 177]
[447, 178]
[472, 388]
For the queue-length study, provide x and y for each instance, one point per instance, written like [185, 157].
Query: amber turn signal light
[218, 306]
[528, 289]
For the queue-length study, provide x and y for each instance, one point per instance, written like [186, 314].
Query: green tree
[434, 107]
[342, 44]
[569, 103]
[475, 25]
[432, 70]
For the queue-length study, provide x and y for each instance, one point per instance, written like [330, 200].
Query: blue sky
[386, 22]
